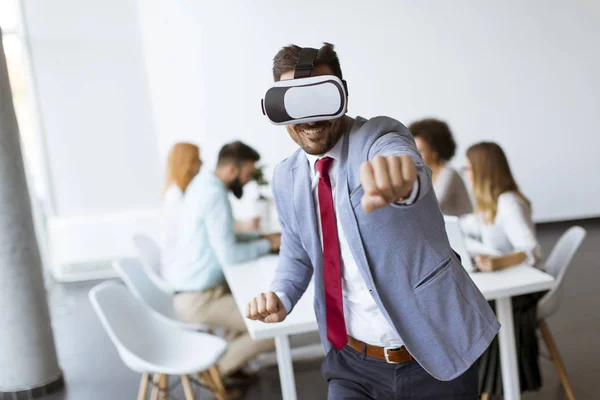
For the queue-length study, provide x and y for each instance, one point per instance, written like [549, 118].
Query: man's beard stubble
[336, 130]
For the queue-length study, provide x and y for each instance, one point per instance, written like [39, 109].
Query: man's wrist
[285, 300]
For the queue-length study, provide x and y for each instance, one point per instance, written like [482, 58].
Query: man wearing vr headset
[398, 315]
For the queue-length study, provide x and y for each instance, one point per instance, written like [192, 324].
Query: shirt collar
[211, 178]
[335, 153]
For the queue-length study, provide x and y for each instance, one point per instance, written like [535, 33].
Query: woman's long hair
[180, 165]
[491, 177]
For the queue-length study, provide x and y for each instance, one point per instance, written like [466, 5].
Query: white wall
[524, 74]
[88, 66]
[90, 76]
[120, 81]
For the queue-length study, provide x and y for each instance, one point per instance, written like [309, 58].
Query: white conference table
[246, 280]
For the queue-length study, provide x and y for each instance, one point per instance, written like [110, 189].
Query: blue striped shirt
[206, 239]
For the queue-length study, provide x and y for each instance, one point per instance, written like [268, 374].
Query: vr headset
[305, 98]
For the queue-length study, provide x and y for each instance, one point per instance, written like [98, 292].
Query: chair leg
[206, 380]
[220, 391]
[155, 387]
[143, 387]
[558, 363]
[163, 384]
[187, 389]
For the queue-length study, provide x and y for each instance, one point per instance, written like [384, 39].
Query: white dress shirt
[364, 320]
[512, 230]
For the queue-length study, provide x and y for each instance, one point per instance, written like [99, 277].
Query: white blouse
[512, 231]
[452, 193]
[171, 207]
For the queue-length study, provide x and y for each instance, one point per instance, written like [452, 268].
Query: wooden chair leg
[558, 363]
[155, 387]
[163, 384]
[206, 380]
[187, 389]
[143, 387]
[220, 391]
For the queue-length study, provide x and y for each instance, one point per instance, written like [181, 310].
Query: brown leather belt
[392, 355]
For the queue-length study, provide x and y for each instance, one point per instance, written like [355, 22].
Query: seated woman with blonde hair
[502, 224]
[183, 165]
[502, 219]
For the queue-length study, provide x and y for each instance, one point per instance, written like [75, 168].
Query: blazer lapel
[346, 213]
[304, 210]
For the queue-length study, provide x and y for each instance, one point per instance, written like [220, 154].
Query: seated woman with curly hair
[437, 146]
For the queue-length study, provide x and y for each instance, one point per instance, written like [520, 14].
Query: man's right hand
[266, 307]
[275, 240]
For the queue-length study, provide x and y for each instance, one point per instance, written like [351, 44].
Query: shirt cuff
[247, 236]
[413, 195]
[287, 303]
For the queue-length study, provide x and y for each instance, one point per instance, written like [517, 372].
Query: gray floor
[93, 369]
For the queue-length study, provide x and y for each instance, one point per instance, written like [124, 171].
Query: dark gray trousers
[353, 375]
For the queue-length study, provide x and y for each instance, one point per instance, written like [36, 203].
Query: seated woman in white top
[437, 146]
[502, 226]
[182, 166]
[502, 220]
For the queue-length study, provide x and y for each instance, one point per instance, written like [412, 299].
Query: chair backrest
[149, 253]
[556, 265]
[135, 276]
[129, 324]
[147, 343]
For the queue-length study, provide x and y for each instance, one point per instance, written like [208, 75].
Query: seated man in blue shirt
[206, 240]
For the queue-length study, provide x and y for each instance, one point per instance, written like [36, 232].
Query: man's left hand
[386, 180]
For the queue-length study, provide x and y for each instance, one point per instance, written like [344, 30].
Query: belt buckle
[387, 357]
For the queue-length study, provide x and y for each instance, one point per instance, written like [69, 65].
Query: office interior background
[103, 89]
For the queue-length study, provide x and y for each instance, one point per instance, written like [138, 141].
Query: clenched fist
[266, 307]
[386, 180]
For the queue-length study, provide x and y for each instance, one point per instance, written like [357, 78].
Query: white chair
[150, 346]
[149, 253]
[136, 278]
[557, 264]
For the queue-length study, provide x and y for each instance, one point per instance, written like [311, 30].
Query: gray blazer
[402, 253]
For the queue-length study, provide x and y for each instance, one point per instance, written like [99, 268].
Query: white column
[27, 353]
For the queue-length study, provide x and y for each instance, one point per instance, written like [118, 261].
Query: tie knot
[323, 165]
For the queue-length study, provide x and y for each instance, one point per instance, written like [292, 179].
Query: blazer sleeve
[402, 143]
[295, 269]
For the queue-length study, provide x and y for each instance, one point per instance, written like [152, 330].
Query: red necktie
[332, 268]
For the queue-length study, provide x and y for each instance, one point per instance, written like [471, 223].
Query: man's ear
[232, 170]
